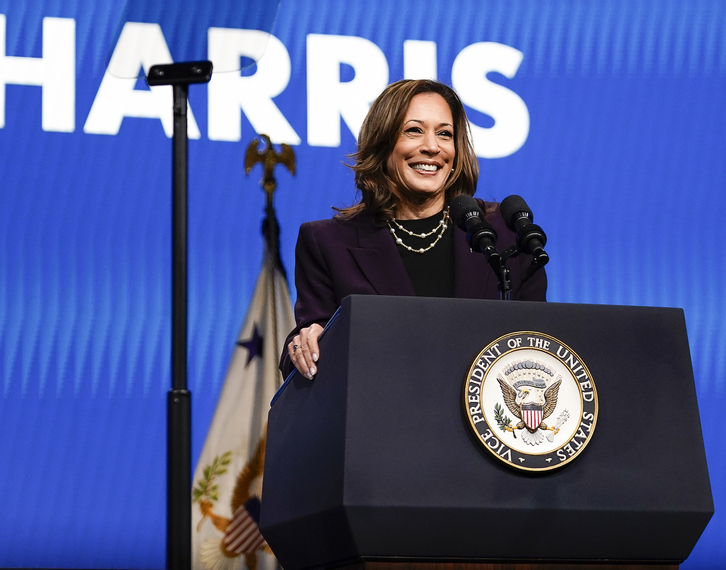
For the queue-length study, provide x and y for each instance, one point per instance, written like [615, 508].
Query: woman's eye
[415, 130]
[446, 134]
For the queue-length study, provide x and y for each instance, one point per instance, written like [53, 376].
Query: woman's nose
[430, 143]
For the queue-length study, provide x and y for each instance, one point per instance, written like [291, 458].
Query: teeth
[426, 167]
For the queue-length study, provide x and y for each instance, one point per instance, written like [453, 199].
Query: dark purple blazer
[336, 258]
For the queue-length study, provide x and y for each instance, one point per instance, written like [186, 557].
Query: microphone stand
[179, 401]
[505, 285]
[504, 275]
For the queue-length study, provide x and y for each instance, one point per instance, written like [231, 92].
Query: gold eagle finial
[269, 158]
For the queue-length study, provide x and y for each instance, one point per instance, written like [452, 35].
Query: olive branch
[206, 488]
[504, 423]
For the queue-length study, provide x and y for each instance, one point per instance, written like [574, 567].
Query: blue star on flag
[253, 345]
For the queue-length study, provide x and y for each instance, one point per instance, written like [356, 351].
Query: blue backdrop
[607, 116]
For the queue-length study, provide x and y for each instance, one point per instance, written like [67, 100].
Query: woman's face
[424, 153]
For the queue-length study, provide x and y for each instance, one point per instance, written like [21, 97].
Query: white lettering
[486, 436]
[328, 98]
[139, 46]
[488, 357]
[538, 342]
[419, 60]
[55, 72]
[507, 453]
[510, 113]
[231, 93]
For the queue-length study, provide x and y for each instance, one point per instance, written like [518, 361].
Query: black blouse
[432, 272]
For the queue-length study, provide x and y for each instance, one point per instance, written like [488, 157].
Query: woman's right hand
[304, 351]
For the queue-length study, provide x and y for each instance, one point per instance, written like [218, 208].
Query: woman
[414, 155]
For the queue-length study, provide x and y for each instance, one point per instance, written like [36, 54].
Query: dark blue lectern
[374, 463]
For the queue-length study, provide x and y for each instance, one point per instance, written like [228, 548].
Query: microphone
[480, 234]
[531, 238]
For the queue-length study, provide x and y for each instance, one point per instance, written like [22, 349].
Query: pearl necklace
[440, 228]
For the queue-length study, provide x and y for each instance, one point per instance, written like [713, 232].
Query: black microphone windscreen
[511, 206]
[463, 207]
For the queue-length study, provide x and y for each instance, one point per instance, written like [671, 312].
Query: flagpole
[269, 158]
[179, 401]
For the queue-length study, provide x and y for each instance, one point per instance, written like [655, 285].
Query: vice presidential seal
[531, 401]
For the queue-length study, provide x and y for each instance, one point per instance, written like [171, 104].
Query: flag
[228, 477]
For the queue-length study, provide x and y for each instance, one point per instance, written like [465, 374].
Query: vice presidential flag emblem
[531, 401]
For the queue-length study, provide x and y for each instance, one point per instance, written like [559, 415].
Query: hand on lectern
[304, 351]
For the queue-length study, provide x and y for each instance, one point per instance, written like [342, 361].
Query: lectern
[374, 463]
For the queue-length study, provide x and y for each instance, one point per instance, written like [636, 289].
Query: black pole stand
[179, 402]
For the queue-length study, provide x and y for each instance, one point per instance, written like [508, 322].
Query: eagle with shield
[530, 391]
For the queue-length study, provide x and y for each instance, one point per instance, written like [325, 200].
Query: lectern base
[409, 565]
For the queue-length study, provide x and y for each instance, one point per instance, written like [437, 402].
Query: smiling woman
[414, 156]
[423, 157]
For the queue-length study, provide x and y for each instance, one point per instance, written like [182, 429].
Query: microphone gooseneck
[482, 238]
[530, 236]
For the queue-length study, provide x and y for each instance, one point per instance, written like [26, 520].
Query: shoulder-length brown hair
[378, 136]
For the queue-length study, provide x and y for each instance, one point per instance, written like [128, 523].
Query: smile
[425, 167]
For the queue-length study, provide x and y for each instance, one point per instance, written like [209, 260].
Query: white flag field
[227, 480]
